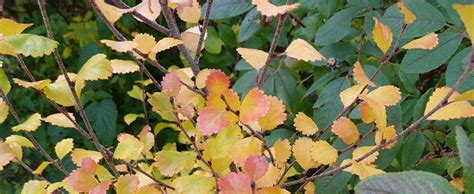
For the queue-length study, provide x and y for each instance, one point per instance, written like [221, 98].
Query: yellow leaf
[10, 27]
[270, 178]
[244, 148]
[453, 110]
[31, 124]
[360, 151]
[120, 46]
[55, 186]
[4, 82]
[323, 153]
[41, 167]
[221, 145]
[60, 92]
[385, 134]
[20, 140]
[467, 16]
[409, 16]
[190, 14]
[79, 154]
[469, 95]
[123, 66]
[170, 163]
[111, 13]
[165, 44]
[128, 148]
[378, 111]
[382, 36]
[194, 184]
[349, 95]
[6, 48]
[97, 67]
[103, 174]
[361, 170]
[37, 84]
[256, 58]
[151, 9]
[345, 129]
[458, 183]
[4, 110]
[305, 124]
[254, 106]
[276, 114]
[126, 184]
[273, 190]
[145, 43]
[270, 10]
[190, 38]
[386, 95]
[59, 119]
[282, 151]
[360, 76]
[427, 42]
[35, 186]
[129, 118]
[63, 147]
[302, 50]
[310, 188]
[301, 152]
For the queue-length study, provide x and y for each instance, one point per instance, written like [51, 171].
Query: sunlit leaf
[171, 162]
[63, 147]
[10, 27]
[361, 170]
[7, 154]
[256, 58]
[385, 134]
[165, 43]
[171, 84]
[275, 116]
[32, 45]
[469, 95]
[41, 167]
[360, 76]
[96, 68]
[145, 43]
[382, 35]
[37, 84]
[245, 148]
[190, 38]
[345, 129]
[256, 166]
[221, 145]
[467, 16]
[35, 186]
[120, 46]
[386, 95]
[20, 140]
[128, 148]
[4, 110]
[79, 154]
[349, 95]
[212, 120]
[217, 82]
[194, 184]
[129, 118]
[305, 124]
[361, 151]
[282, 151]
[235, 183]
[427, 42]
[323, 153]
[190, 14]
[150, 9]
[111, 13]
[453, 110]
[270, 178]
[254, 106]
[269, 10]
[160, 104]
[301, 152]
[302, 50]
[4, 82]
[31, 124]
[59, 119]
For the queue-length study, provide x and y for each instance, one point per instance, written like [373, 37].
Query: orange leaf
[366, 113]
[212, 120]
[428, 42]
[81, 181]
[345, 129]
[385, 134]
[217, 82]
[276, 114]
[254, 106]
[360, 76]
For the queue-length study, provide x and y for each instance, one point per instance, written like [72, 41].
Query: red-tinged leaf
[233, 183]
[256, 166]
[254, 106]
[89, 165]
[212, 120]
[171, 84]
[81, 181]
[6, 154]
[345, 129]
[217, 82]
[101, 188]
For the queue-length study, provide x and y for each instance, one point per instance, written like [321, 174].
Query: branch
[411, 128]
[176, 34]
[78, 106]
[203, 31]
[276, 38]
[28, 168]
[31, 137]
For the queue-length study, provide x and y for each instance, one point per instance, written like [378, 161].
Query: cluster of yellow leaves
[363, 168]
[456, 107]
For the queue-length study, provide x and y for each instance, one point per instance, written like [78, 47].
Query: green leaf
[220, 9]
[336, 28]
[32, 45]
[4, 82]
[103, 117]
[327, 7]
[456, 67]
[333, 184]
[466, 153]
[405, 182]
[250, 25]
[412, 149]
[213, 43]
[421, 61]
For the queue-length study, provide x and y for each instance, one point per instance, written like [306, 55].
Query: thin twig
[33, 140]
[203, 29]
[174, 32]
[28, 168]
[271, 51]
[444, 102]
[77, 102]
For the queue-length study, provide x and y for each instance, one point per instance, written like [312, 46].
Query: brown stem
[271, 51]
[203, 31]
[409, 129]
[77, 102]
[28, 168]
[174, 32]
[31, 137]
